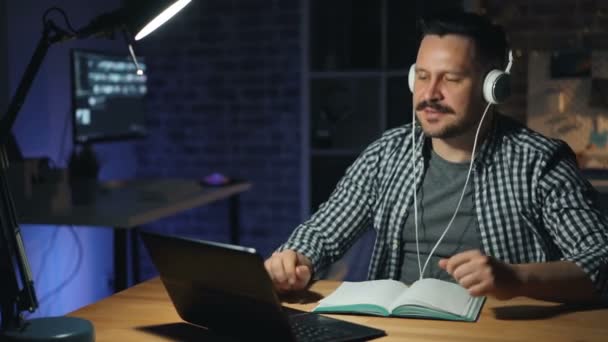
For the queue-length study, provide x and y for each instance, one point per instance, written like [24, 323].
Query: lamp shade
[157, 15]
[139, 17]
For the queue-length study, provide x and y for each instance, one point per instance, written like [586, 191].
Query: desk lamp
[17, 292]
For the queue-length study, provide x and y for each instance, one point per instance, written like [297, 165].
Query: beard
[450, 125]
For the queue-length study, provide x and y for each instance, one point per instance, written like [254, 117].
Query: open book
[425, 298]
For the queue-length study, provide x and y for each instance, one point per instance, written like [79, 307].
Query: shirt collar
[490, 144]
[485, 149]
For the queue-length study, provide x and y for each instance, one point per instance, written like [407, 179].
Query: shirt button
[395, 245]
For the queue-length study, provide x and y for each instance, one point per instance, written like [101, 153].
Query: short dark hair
[490, 38]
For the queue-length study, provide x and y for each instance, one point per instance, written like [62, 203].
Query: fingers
[303, 274]
[470, 277]
[472, 270]
[480, 289]
[286, 272]
[479, 264]
[461, 258]
[470, 280]
[287, 266]
[303, 260]
[281, 267]
[482, 275]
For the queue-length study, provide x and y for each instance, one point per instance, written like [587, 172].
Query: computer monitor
[107, 97]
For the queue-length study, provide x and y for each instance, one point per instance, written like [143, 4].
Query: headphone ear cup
[411, 77]
[496, 87]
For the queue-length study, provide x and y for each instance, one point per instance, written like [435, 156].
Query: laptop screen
[221, 287]
[226, 289]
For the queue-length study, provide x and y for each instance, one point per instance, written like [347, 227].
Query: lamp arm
[103, 25]
[50, 35]
[13, 260]
[14, 301]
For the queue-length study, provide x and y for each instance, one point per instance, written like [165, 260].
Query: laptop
[226, 289]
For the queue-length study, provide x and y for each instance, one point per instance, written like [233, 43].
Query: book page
[379, 292]
[436, 294]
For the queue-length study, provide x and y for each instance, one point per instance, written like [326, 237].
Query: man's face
[448, 86]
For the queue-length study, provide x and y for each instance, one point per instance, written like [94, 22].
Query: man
[527, 223]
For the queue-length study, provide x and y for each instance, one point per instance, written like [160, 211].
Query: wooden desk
[125, 205]
[145, 313]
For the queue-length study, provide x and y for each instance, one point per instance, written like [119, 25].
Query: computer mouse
[215, 179]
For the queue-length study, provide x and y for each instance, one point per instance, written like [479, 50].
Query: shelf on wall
[335, 152]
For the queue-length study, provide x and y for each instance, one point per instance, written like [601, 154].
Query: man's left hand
[483, 275]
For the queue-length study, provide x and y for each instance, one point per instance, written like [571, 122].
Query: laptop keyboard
[307, 328]
[311, 327]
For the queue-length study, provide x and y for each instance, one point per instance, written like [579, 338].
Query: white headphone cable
[414, 187]
[457, 206]
[421, 269]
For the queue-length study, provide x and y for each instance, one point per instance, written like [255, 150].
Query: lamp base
[63, 329]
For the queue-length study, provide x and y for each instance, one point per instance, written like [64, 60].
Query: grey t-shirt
[437, 201]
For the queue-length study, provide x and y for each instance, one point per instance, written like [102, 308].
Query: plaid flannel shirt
[531, 201]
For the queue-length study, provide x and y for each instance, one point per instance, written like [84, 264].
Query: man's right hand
[289, 270]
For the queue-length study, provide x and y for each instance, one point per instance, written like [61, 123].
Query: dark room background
[224, 96]
[229, 92]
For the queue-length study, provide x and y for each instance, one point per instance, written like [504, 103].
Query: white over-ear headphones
[496, 85]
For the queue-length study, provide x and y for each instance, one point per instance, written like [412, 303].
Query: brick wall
[224, 96]
[546, 25]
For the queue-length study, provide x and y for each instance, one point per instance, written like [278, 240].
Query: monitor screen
[107, 97]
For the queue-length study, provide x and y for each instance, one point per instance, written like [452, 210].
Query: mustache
[434, 106]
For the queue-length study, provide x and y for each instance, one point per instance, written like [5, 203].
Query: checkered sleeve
[338, 222]
[571, 213]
